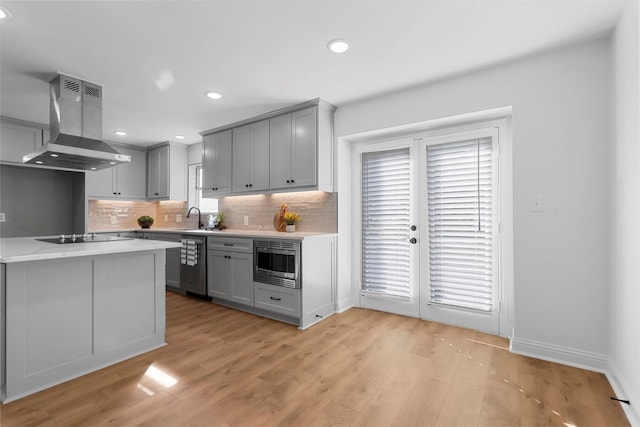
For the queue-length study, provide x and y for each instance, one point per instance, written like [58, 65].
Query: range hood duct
[75, 128]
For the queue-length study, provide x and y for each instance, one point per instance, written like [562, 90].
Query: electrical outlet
[2, 218]
[178, 218]
[246, 220]
[166, 218]
[114, 220]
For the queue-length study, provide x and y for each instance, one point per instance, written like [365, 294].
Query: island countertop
[20, 249]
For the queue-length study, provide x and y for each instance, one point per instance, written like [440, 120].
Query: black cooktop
[82, 238]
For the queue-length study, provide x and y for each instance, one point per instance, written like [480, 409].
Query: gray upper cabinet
[250, 169]
[216, 164]
[166, 172]
[291, 149]
[293, 145]
[16, 140]
[126, 181]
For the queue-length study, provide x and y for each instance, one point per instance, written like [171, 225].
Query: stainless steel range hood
[75, 111]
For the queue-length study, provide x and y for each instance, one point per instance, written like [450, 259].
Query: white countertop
[20, 249]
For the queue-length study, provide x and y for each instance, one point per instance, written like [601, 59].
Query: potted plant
[145, 221]
[219, 219]
[290, 219]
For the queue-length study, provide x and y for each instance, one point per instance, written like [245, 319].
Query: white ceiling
[155, 60]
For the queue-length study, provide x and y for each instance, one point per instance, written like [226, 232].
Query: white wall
[625, 230]
[561, 148]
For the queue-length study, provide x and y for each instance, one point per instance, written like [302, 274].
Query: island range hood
[75, 112]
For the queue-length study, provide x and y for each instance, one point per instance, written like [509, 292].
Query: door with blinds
[459, 230]
[388, 212]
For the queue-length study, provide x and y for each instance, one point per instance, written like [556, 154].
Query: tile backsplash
[106, 215]
[318, 212]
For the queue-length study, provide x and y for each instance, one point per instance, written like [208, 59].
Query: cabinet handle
[275, 299]
[293, 181]
[228, 244]
[114, 193]
[246, 186]
[156, 194]
[288, 181]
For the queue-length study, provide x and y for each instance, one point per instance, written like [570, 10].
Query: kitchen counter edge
[256, 234]
[23, 249]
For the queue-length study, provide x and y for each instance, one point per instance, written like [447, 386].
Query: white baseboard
[623, 391]
[558, 354]
[344, 305]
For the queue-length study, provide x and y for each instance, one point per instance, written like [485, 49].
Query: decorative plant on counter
[219, 218]
[145, 221]
[290, 219]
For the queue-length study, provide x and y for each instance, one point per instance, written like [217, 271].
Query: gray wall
[41, 202]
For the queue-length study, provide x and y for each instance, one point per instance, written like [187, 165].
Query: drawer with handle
[277, 299]
[230, 244]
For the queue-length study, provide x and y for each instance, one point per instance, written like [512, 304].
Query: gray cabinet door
[158, 173]
[231, 276]
[101, 184]
[219, 281]
[251, 157]
[280, 152]
[17, 140]
[293, 149]
[303, 147]
[172, 270]
[216, 163]
[131, 178]
[241, 266]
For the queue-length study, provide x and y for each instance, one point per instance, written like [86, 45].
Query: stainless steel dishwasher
[193, 265]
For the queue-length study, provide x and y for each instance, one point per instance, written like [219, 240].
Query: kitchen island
[67, 310]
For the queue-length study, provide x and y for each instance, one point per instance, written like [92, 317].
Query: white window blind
[385, 223]
[460, 203]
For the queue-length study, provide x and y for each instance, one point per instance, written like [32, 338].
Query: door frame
[500, 118]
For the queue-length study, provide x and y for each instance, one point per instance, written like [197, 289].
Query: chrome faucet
[200, 224]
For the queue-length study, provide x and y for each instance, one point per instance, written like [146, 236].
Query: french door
[389, 282]
[459, 230]
[429, 224]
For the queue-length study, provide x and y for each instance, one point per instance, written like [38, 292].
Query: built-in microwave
[277, 262]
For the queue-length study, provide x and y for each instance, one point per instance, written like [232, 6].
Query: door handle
[413, 240]
[413, 228]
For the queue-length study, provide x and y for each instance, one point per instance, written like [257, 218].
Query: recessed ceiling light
[54, 155]
[120, 133]
[179, 137]
[38, 162]
[93, 169]
[112, 163]
[4, 13]
[339, 45]
[213, 95]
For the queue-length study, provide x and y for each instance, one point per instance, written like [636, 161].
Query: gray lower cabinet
[231, 276]
[230, 270]
[278, 299]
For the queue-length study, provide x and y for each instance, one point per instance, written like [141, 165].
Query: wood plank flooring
[223, 367]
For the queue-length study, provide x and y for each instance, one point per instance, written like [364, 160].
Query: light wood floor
[360, 367]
